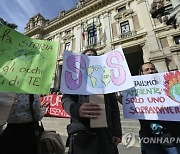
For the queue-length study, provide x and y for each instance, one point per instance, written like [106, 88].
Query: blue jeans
[159, 149]
[172, 150]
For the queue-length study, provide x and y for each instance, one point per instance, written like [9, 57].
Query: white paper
[89, 75]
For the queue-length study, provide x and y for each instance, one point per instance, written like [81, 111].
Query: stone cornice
[141, 1]
[136, 39]
[123, 14]
[67, 37]
[34, 31]
[74, 14]
[133, 37]
[166, 30]
[159, 57]
[175, 48]
[163, 28]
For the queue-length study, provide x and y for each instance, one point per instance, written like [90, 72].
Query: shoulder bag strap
[37, 129]
[31, 100]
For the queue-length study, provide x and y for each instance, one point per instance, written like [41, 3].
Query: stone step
[130, 126]
[129, 120]
[126, 129]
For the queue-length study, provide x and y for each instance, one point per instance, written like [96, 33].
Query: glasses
[91, 54]
[149, 69]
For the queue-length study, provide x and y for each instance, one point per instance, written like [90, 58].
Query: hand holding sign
[100, 120]
[89, 110]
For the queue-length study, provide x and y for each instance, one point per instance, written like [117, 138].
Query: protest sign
[154, 97]
[26, 65]
[86, 75]
[55, 108]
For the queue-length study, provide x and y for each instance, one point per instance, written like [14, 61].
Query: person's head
[147, 68]
[90, 52]
[51, 90]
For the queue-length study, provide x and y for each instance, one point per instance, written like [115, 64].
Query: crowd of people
[18, 137]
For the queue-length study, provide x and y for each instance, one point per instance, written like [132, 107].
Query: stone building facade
[107, 24]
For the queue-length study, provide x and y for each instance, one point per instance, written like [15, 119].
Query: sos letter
[71, 83]
[122, 76]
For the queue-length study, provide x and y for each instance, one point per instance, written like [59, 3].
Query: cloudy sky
[20, 11]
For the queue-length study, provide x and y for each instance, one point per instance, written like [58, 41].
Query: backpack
[50, 143]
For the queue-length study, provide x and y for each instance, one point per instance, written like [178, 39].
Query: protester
[19, 136]
[82, 138]
[167, 132]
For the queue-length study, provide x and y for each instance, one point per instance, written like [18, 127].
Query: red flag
[83, 34]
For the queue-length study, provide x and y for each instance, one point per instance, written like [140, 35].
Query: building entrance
[134, 58]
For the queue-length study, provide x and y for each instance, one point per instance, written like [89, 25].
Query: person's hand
[116, 140]
[89, 110]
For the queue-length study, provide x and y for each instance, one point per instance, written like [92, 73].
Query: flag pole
[81, 37]
[93, 30]
[57, 71]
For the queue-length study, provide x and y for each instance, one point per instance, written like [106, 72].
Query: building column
[79, 38]
[145, 52]
[146, 20]
[107, 30]
[170, 40]
[152, 51]
[98, 38]
[175, 53]
[176, 57]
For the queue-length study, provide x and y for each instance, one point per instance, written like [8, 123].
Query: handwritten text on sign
[155, 96]
[83, 74]
[26, 64]
[55, 108]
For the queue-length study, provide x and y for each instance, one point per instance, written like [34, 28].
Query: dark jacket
[72, 103]
[168, 129]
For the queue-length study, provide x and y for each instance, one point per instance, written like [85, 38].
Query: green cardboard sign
[26, 65]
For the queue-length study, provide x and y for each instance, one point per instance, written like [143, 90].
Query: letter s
[71, 83]
[122, 75]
